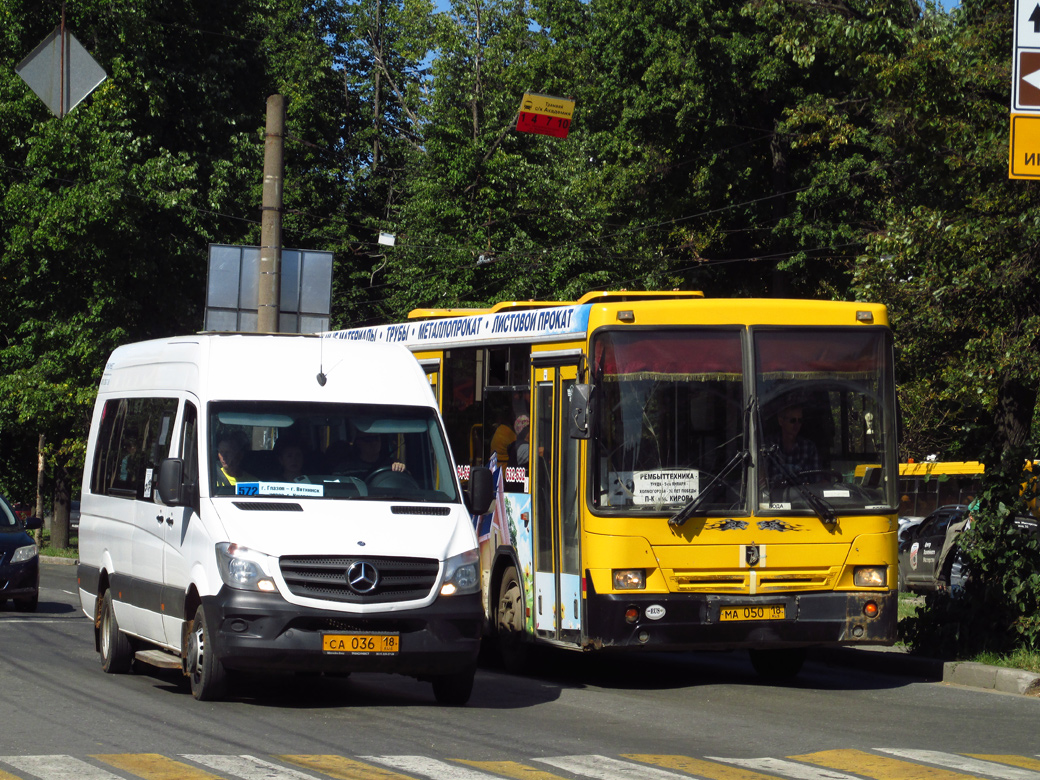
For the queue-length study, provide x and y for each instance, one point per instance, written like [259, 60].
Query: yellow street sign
[1024, 159]
[545, 115]
[547, 104]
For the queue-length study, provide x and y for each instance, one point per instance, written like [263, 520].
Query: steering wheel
[386, 477]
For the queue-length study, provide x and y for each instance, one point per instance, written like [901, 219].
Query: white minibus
[263, 503]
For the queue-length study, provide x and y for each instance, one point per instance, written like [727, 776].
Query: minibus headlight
[23, 554]
[243, 568]
[629, 579]
[870, 576]
[461, 574]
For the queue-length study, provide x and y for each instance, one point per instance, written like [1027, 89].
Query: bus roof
[604, 296]
[938, 468]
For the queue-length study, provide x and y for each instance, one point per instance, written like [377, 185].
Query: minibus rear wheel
[117, 654]
[205, 671]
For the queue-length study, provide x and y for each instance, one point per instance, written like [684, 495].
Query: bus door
[555, 492]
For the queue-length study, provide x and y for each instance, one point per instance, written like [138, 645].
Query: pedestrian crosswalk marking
[343, 768]
[701, 768]
[152, 766]
[875, 764]
[878, 767]
[603, 768]
[965, 764]
[429, 767]
[249, 768]
[48, 767]
[1023, 761]
[788, 769]
[512, 769]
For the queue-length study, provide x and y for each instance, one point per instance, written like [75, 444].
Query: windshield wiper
[820, 506]
[741, 458]
[688, 511]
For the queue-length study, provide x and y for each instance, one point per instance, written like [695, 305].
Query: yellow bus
[926, 486]
[674, 472]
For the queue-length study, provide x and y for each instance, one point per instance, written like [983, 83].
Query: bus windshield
[670, 419]
[825, 420]
[674, 415]
[340, 451]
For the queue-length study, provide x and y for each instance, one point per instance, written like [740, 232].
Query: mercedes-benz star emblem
[362, 577]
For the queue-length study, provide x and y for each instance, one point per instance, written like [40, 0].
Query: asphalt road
[662, 717]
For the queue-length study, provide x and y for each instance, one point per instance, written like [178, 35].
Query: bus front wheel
[509, 622]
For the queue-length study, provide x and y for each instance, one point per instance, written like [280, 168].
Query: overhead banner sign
[545, 115]
[1024, 156]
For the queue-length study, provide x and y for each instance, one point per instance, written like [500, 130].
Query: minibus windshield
[320, 451]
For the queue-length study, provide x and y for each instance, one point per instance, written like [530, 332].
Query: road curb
[995, 678]
[895, 660]
[57, 561]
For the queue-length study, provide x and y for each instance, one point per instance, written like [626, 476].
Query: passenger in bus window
[796, 451]
[518, 449]
[231, 451]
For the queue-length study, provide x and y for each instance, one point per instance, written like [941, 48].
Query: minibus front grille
[435, 511]
[327, 577]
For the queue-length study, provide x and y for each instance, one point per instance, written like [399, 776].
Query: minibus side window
[133, 438]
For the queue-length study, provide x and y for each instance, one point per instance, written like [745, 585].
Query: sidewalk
[896, 660]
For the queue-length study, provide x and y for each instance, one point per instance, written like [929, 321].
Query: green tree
[106, 214]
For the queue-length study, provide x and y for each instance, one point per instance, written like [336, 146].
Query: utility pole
[269, 290]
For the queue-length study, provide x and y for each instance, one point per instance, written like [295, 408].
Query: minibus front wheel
[204, 669]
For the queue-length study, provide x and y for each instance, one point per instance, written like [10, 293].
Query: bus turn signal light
[870, 609]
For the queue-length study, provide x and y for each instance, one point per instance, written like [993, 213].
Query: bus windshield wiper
[822, 509]
[688, 511]
[743, 457]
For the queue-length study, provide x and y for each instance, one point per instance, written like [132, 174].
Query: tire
[205, 671]
[778, 665]
[454, 690]
[29, 604]
[509, 623]
[117, 654]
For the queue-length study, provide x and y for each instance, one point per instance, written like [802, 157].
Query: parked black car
[19, 559]
[929, 556]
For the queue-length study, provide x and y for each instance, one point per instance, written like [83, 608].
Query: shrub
[998, 610]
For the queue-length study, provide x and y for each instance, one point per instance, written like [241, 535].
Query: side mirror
[481, 490]
[579, 418]
[32, 523]
[171, 478]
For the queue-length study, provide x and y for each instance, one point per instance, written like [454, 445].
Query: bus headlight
[629, 579]
[461, 575]
[870, 576]
[243, 568]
